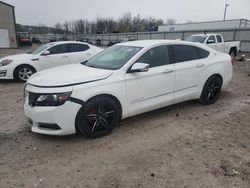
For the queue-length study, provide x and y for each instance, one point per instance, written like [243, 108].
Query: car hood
[23, 56]
[68, 75]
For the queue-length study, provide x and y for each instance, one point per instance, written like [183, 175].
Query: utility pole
[225, 12]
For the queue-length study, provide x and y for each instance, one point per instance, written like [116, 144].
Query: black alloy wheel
[99, 117]
[211, 90]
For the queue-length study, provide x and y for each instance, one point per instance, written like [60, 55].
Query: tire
[98, 117]
[233, 53]
[23, 72]
[211, 90]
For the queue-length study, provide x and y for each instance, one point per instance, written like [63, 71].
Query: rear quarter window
[202, 53]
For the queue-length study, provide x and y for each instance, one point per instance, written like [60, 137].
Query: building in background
[7, 26]
[225, 24]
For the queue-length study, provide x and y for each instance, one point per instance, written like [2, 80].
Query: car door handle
[168, 71]
[89, 54]
[65, 56]
[200, 65]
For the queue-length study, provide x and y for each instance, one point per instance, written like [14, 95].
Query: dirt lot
[185, 145]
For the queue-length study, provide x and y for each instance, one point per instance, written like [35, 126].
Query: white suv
[122, 81]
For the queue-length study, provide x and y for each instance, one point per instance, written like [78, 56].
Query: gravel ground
[185, 145]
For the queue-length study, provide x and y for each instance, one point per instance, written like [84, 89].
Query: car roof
[67, 42]
[202, 34]
[149, 43]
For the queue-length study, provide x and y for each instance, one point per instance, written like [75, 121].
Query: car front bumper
[59, 120]
[6, 72]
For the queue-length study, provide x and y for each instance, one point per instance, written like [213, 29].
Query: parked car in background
[98, 42]
[22, 66]
[87, 40]
[122, 81]
[36, 40]
[112, 42]
[49, 37]
[52, 39]
[23, 39]
[216, 41]
[63, 39]
[129, 38]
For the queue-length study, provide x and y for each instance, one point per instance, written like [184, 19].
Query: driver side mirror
[139, 67]
[47, 52]
[210, 41]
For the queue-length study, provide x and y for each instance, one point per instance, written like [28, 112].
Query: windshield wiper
[91, 66]
[84, 62]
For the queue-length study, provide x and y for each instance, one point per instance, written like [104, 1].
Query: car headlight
[5, 62]
[48, 99]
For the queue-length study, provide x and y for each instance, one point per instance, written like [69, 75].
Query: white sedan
[22, 66]
[122, 81]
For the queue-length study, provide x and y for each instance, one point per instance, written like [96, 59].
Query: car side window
[202, 53]
[219, 39]
[59, 49]
[211, 39]
[182, 53]
[78, 47]
[155, 57]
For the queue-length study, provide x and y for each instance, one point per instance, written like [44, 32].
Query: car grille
[32, 98]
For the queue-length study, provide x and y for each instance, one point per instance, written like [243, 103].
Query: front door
[58, 56]
[152, 89]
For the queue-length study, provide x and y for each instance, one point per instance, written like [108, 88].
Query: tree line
[126, 23]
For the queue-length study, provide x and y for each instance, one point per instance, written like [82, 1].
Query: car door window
[219, 39]
[155, 57]
[58, 49]
[211, 39]
[184, 53]
[78, 47]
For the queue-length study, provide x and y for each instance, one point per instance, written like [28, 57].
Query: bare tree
[171, 21]
[58, 27]
[66, 26]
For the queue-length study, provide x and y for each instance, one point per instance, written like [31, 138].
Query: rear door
[189, 67]
[79, 53]
[220, 44]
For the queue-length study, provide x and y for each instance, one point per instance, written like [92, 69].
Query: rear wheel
[211, 90]
[98, 118]
[23, 72]
[233, 53]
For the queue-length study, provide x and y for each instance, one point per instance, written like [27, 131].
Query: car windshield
[199, 39]
[113, 58]
[40, 49]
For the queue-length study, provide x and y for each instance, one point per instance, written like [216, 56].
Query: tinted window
[155, 57]
[59, 49]
[211, 38]
[184, 53]
[78, 47]
[219, 39]
[202, 53]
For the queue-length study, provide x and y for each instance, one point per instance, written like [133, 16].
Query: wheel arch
[205, 80]
[117, 101]
[22, 65]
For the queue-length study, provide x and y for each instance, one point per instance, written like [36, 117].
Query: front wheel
[22, 73]
[99, 117]
[211, 90]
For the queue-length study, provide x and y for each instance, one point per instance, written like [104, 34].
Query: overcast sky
[48, 12]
